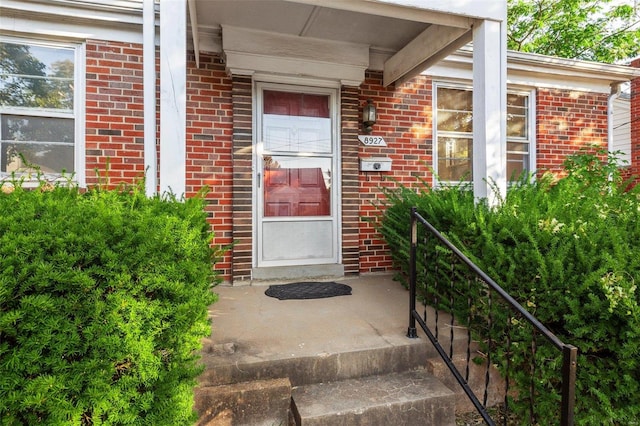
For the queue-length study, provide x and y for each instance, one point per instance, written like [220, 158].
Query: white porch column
[489, 110]
[173, 77]
[149, 69]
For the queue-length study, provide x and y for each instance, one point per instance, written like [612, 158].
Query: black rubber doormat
[308, 290]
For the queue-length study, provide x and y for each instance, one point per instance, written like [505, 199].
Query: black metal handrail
[569, 352]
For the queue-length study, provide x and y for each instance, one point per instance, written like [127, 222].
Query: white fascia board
[495, 10]
[283, 45]
[571, 67]
[99, 11]
[248, 51]
[411, 10]
[532, 70]
[68, 31]
[71, 20]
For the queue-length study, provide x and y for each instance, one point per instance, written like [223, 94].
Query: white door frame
[298, 86]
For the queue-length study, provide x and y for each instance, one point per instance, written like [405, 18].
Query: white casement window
[453, 133]
[40, 87]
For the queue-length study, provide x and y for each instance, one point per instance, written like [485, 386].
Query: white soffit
[247, 51]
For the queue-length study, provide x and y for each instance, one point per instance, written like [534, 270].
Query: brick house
[634, 118]
[262, 102]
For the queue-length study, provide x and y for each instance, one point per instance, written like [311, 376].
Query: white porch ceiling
[390, 30]
[304, 20]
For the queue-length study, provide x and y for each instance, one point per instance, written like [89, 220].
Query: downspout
[149, 78]
[193, 17]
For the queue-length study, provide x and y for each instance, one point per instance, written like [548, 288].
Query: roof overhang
[401, 37]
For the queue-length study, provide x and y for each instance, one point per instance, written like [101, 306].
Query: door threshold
[297, 272]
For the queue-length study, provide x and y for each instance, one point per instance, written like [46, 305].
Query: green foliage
[103, 305]
[596, 30]
[568, 251]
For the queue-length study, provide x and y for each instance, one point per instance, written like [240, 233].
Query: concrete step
[229, 364]
[241, 387]
[255, 403]
[408, 398]
[477, 380]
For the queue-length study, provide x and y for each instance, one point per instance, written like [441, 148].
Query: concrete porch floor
[306, 342]
[376, 314]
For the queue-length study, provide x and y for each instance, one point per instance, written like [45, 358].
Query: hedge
[569, 251]
[103, 305]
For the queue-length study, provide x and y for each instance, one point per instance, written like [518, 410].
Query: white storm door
[295, 180]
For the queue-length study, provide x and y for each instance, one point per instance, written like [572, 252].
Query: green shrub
[569, 251]
[103, 305]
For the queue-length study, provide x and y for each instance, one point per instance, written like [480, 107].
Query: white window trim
[79, 107]
[78, 112]
[532, 139]
[531, 130]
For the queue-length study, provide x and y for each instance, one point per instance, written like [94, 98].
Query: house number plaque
[372, 140]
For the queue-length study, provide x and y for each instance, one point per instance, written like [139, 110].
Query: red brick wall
[565, 122]
[350, 115]
[219, 128]
[635, 122]
[114, 113]
[208, 145]
[115, 129]
[404, 119]
[241, 95]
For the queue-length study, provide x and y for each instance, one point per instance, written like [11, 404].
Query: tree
[596, 30]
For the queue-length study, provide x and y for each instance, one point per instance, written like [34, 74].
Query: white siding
[622, 129]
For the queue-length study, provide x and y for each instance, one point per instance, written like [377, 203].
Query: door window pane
[300, 104]
[295, 186]
[296, 122]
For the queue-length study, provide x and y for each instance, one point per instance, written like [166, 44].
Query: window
[454, 133]
[518, 139]
[37, 108]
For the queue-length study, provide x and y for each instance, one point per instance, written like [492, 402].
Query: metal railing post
[569, 365]
[411, 332]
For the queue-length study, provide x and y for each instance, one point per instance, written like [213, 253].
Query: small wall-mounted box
[375, 164]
